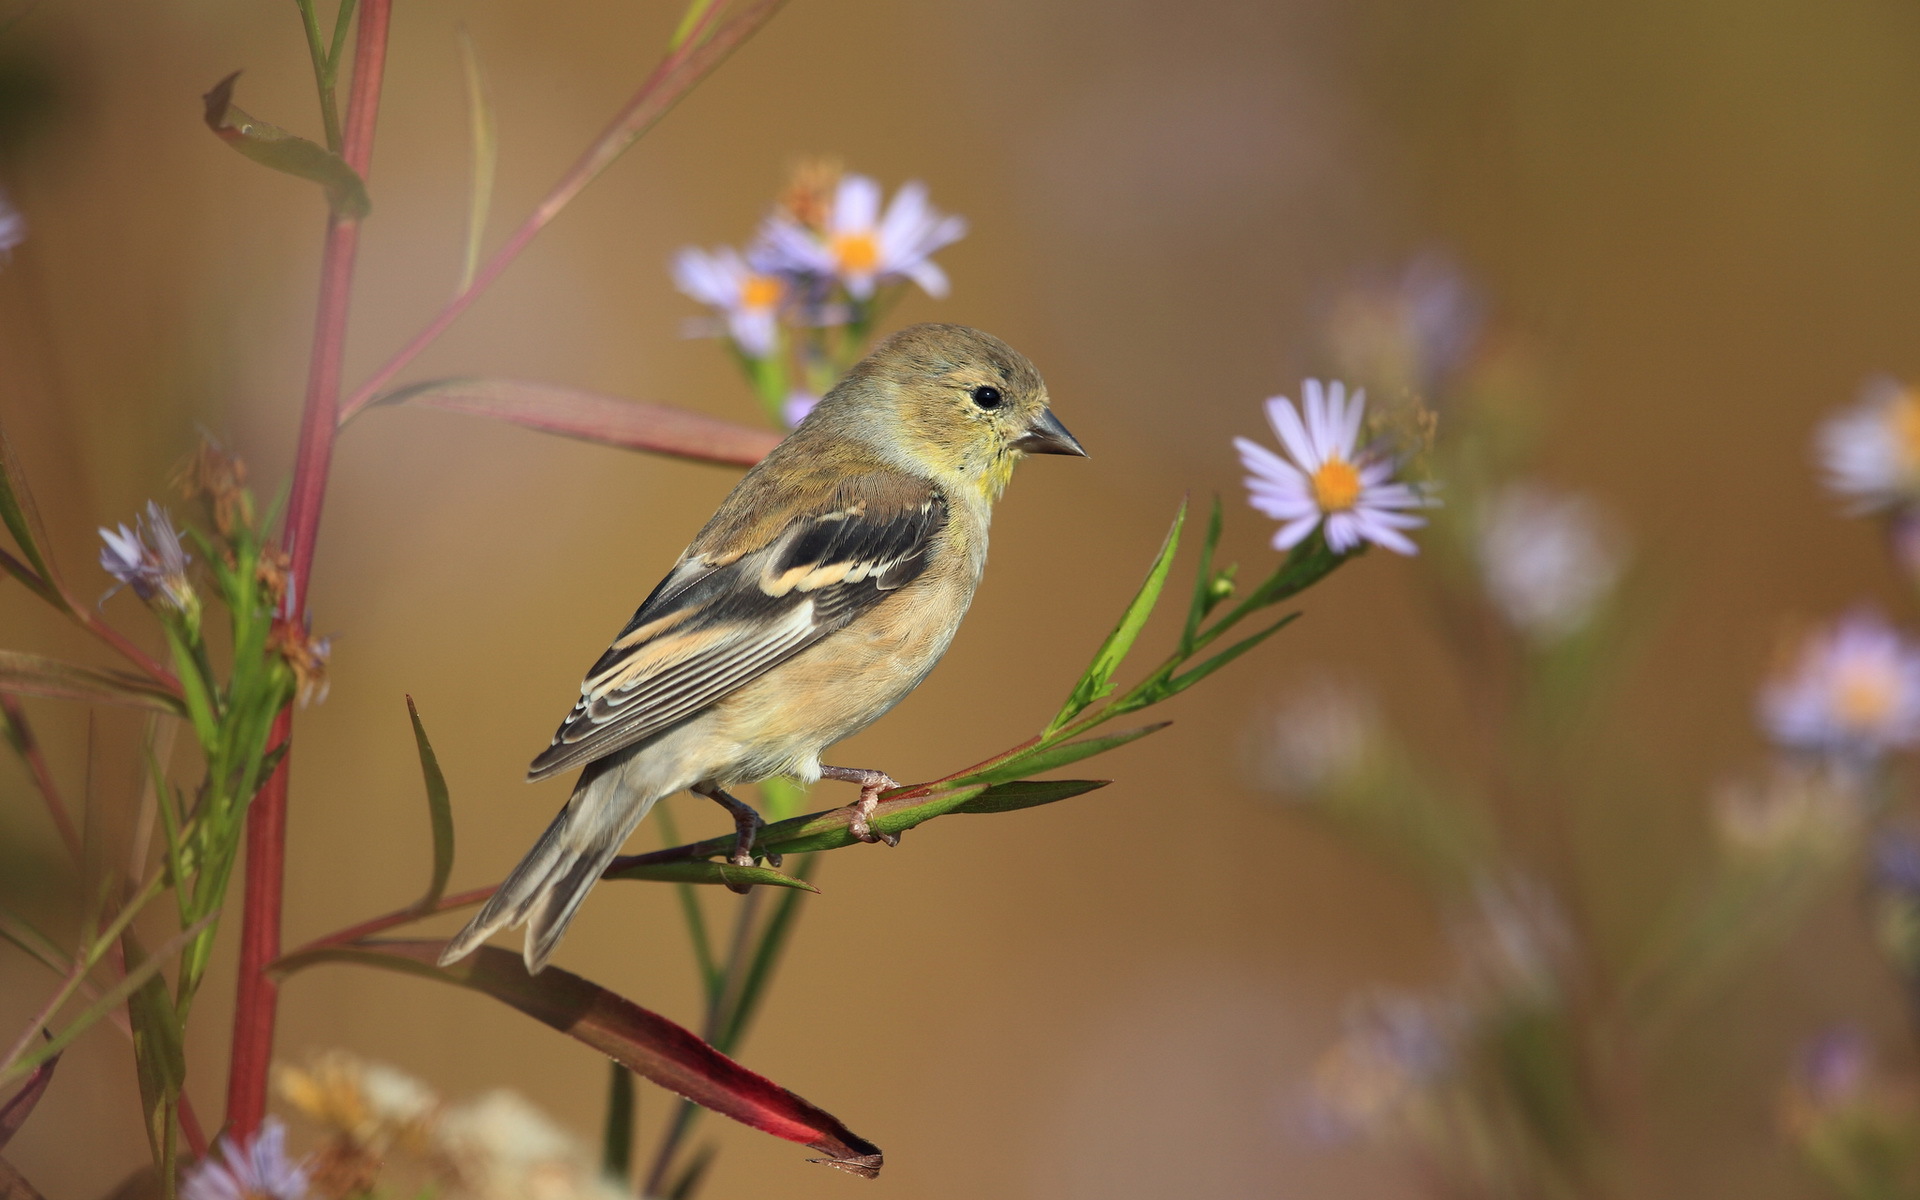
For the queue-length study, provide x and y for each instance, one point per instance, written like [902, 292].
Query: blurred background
[1694, 220]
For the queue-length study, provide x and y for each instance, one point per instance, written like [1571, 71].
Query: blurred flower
[1409, 332]
[1794, 809]
[369, 1104]
[1394, 1049]
[860, 245]
[219, 478]
[1871, 452]
[249, 1170]
[1316, 739]
[1854, 692]
[13, 226]
[1547, 559]
[808, 194]
[1328, 480]
[1896, 895]
[748, 300]
[799, 403]
[150, 560]
[502, 1148]
[305, 655]
[1903, 540]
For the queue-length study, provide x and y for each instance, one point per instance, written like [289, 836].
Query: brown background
[1700, 214]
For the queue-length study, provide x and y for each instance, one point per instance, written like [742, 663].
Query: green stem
[616, 1156]
[322, 74]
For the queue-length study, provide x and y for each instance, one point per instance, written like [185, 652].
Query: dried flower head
[1408, 332]
[219, 478]
[1328, 479]
[1796, 809]
[808, 195]
[151, 560]
[305, 655]
[255, 1169]
[367, 1103]
[1394, 1051]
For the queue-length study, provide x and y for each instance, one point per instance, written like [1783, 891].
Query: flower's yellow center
[1904, 418]
[1336, 485]
[857, 253]
[1864, 695]
[760, 291]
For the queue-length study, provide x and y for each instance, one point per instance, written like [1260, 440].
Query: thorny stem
[699, 53]
[266, 818]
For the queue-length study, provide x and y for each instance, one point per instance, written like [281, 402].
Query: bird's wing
[711, 627]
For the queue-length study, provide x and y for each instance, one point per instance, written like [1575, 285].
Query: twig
[29, 747]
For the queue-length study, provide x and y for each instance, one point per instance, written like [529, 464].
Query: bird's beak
[1048, 436]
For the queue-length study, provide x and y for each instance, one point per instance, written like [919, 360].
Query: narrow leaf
[1186, 679]
[160, 1061]
[707, 871]
[23, 522]
[593, 417]
[31, 675]
[19, 1106]
[38, 586]
[692, 1174]
[1047, 758]
[644, 1042]
[486, 156]
[1098, 679]
[1029, 793]
[439, 812]
[274, 147]
[1204, 598]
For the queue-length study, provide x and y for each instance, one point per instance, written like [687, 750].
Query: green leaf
[1206, 595]
[1098, 679]
[439, 812]
[31, 675]
[766, 956]
[593, 417]
[160, 1060]
[707, 871]
[1029, 793]
[1046, 758]
[486, 156]
[644, 1042]
[274, 147]
[1186, 679]
[23, 522]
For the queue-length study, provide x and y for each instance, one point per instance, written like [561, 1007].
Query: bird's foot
[747, 825]
[872, 783]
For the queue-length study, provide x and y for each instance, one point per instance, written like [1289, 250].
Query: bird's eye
[986, 396]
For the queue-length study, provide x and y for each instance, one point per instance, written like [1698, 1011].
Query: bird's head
[959, 404]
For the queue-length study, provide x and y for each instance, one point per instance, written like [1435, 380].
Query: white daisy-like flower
[798, 404]
[1854, 691]
[1547, 559]
[257, 1169]
[1871, 451]
[748, 300]
[862, 246]
[1327, 477]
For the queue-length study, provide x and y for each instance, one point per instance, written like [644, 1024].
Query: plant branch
[28, 746]
[685, 66]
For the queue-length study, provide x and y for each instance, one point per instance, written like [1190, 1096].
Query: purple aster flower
[1871, 451]
[1547, 559]
[799, 403]
[149, 559]
[1854, 691]
[862, 246]
[748, 300]
[1326, 478]
[254, 1170]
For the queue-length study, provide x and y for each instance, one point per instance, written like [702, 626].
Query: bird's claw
[862, 810]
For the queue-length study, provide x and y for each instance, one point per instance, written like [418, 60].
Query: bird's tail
[546, 889]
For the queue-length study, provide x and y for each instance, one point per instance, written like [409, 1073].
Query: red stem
[255, 1005]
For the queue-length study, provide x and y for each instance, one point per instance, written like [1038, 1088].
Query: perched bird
[827, 585]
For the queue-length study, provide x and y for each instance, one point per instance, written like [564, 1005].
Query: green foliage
[272, 146]
[439, 813]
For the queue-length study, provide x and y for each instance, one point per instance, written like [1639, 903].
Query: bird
[821, 592]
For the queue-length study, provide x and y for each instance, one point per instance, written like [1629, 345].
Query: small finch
[828, 584]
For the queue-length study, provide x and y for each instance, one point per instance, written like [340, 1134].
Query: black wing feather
[706, 630]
